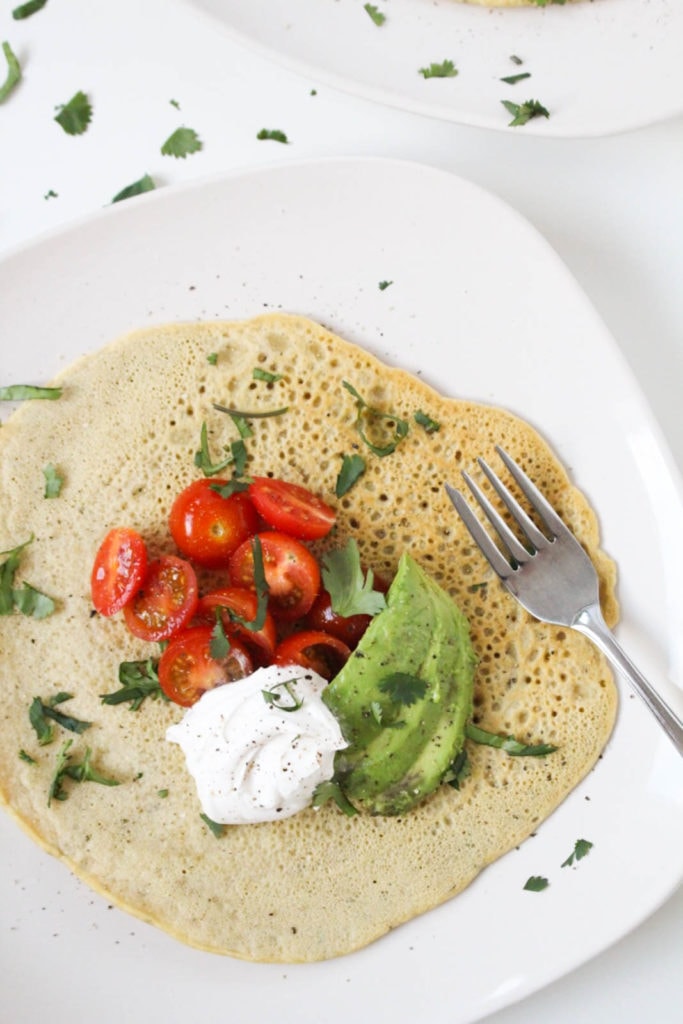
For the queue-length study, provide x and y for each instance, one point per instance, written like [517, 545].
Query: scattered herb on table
[273, 135]
[536, 883]
[24, 392]
[181, 143]
[13, 72]
[446, 69]
[144, 184]
[383, 285]
[53, 481]
[51, 194]
[27, 9]
[75, 116]
[375, 14]
[522, 113]
[513, 79]
[582, 848]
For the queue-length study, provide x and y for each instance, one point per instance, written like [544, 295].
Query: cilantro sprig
[42, 714]
[25, 599]
[444, 69]
[522, 113]
[582, 848]
[139, 680]
[351, 591]
[181, 143]
[81, 771]
[75, 116]
[403, 688]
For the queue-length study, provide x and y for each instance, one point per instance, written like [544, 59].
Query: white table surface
[612, 208]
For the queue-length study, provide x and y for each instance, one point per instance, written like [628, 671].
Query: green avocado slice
[404, 696]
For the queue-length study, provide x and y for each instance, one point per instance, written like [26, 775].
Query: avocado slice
[403, 697]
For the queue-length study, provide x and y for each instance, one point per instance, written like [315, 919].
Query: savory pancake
[123, 436]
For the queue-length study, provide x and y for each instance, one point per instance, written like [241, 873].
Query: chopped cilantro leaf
[138, 680]
[350, 592]
[26, 600]
[582, 847]
[23, 756]
[275, 697]
[41, 713]
[79, 772]
[181, 143]
[212, 358]
[74, 116]
[274, 135]
[429, 425]
[375, 14]
[522, 113]
[219, 645]
[446, 69]
[27, 9]
[383, 285]
[53, 481]
[13, 72]
[403, 688]
[330, 790]
[536, 883]
[143, 184]
[513, 79]
[507, 743]
[265, 375]
[373, 417]
[214, 827]
[23, 392]
[202, 458]
[353, 467]
[458, 771]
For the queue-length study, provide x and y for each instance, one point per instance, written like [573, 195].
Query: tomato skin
[313, 649]
[187, 669]
[166, 601]
[206, 527]
[291, 508]
[291, 571]
[118, 570]
[244, 603]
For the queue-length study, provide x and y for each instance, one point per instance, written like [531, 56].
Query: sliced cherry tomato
[245, 604]
[166, 601]
[313, 649]
[206, 527]
[187, 669]
[291, 571]
[348, 628]
[118, 570]
[292, 508]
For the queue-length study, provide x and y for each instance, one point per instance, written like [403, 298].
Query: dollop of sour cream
[258, 747]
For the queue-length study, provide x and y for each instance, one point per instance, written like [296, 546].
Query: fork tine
[498, 563]
[527, 525]
[517, 552]
[532, 493]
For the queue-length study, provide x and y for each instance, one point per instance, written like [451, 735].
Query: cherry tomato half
[206, 527]
[291, 508]
[242, 602]
[291, 571]
[118, 570]
[166, 601]
[187, 668]
[313, 649]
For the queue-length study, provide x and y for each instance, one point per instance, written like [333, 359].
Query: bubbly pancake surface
[123, 435]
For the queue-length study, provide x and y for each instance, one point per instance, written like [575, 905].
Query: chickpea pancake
[123, 436]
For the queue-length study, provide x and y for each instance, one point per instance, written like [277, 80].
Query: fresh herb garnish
[26, 600]
[23, 392]
[215, 827]
[582, 847]
[51, 194]
[375, 14]
[351, 592]
[219, 645]
[446, 69]
[330, 790]
[42, 713]
[429, 425]
[353, 467]
[75, 116]
[181, 143]
[536, 883]
[274, 135]
[79, 772]
[13, 76]
[458, 771]
[507, 743]
[275, 697]
[203, 460]
[144, 184]
[53, 481]
[138, 680]
[368, 412]
[261, 588]
[212, 358]
[240, 414]
[522, 113]
[513, 79]
[27, 9]
[270, 378]
[23, 756]
[383, 285]
[403, 688]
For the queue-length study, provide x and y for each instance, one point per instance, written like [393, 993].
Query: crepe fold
[123, 436]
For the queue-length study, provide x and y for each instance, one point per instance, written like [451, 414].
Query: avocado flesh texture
[398, 753]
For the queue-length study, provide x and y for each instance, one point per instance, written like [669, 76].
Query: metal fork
[551, 576]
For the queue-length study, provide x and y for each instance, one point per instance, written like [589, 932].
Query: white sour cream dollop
[251, 759]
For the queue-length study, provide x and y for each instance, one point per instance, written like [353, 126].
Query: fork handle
[591, 623]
